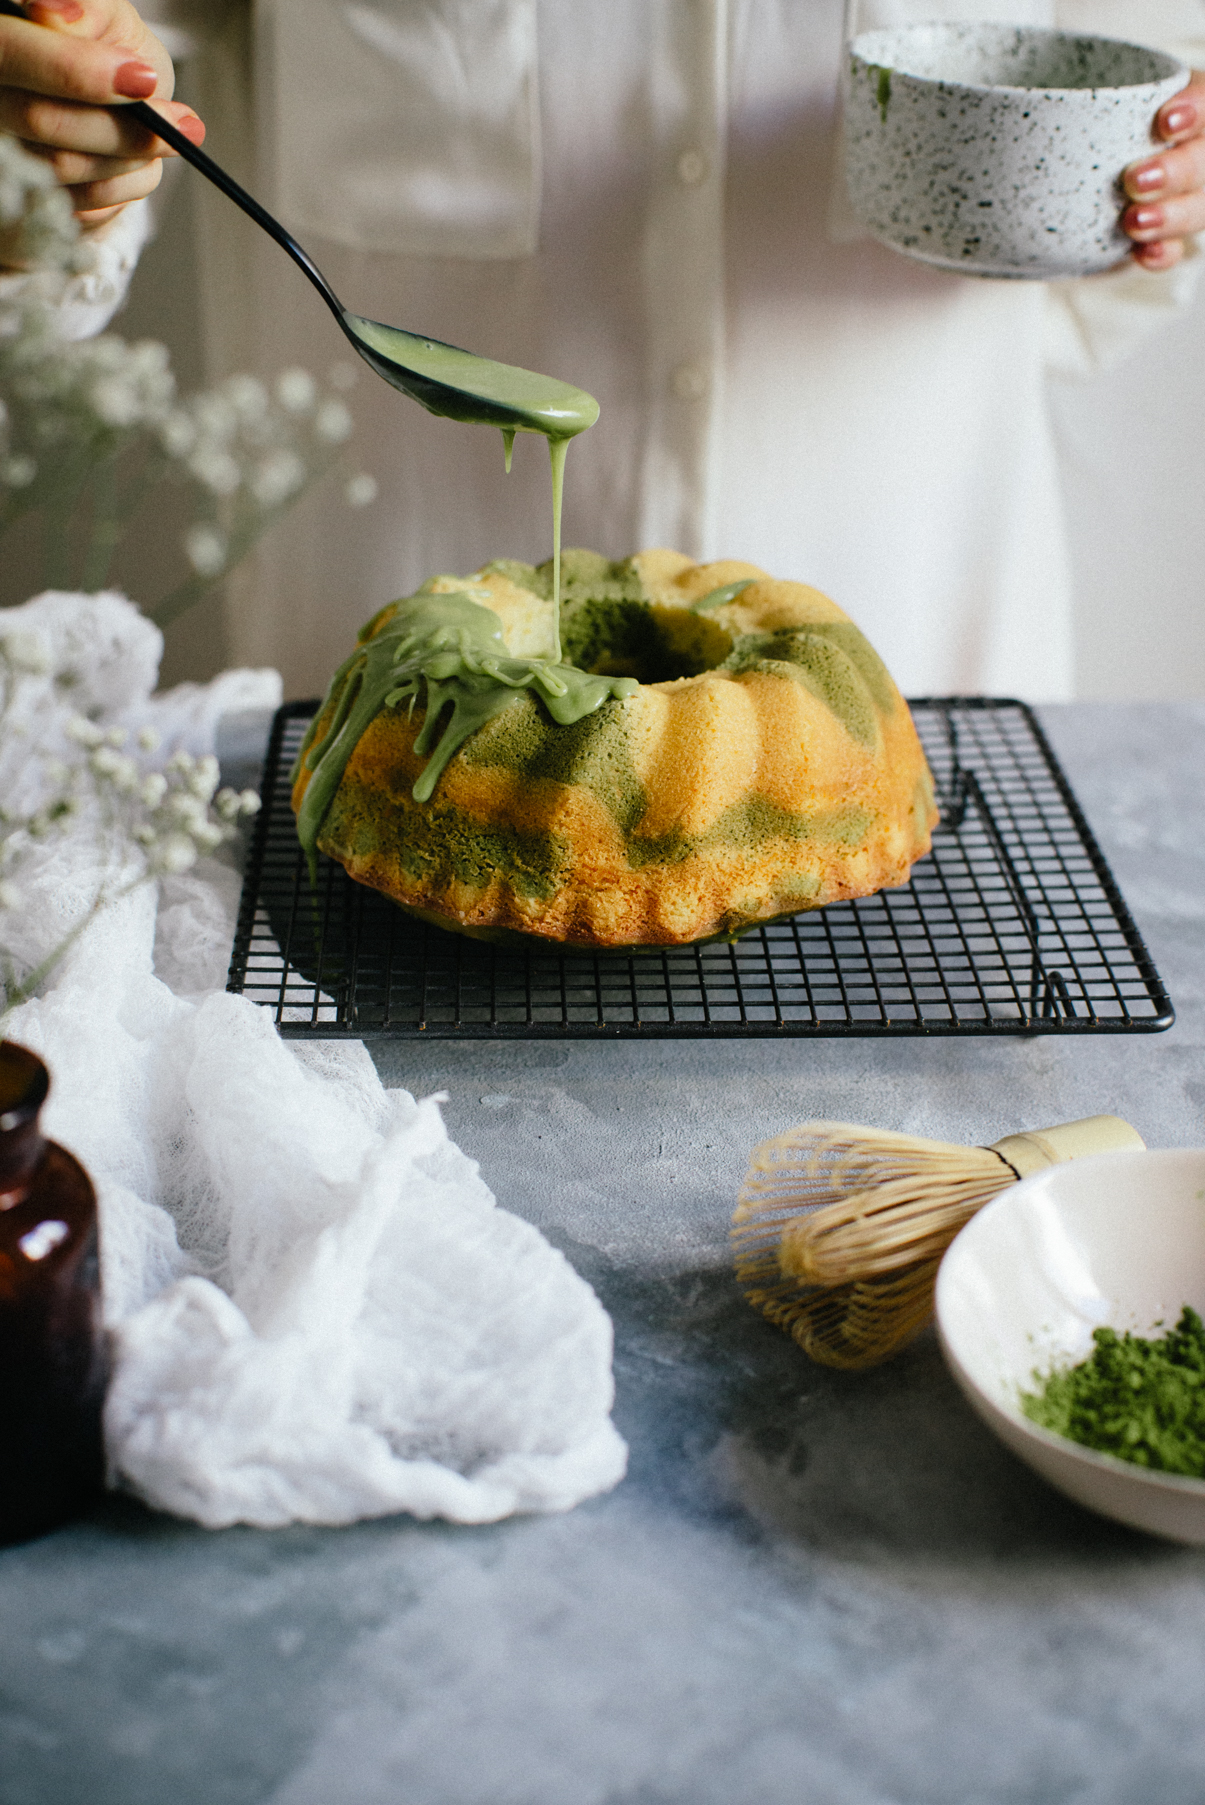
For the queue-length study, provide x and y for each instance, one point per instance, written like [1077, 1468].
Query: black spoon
[441, 377]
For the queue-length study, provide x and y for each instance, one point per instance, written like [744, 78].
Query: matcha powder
[1143, 1401]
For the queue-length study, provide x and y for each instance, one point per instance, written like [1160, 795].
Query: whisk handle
[1042, 1147]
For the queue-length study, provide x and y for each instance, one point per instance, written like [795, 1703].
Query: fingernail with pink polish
[190, 127]
[1146, 219]
[68, 10]
[135, 81]
[1179, 119]
[1147, 180]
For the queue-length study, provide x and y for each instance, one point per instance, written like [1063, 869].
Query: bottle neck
[24, 1083]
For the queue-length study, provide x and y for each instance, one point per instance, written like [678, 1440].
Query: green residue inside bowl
[1142, 1401]
[881, 77]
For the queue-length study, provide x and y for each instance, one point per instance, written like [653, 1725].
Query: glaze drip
[452, 647]
[719, 598]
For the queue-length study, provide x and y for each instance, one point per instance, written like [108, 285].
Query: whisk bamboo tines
[839, 1230]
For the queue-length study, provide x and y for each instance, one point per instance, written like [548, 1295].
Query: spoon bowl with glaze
[442, 378]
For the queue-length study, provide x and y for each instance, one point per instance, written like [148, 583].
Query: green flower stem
[15, 994]
[106, 528]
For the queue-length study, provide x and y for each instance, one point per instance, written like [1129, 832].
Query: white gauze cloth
[318, 1312]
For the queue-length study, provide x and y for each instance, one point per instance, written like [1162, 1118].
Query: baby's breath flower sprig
[141, 825]
[89, 429]
[37, 227]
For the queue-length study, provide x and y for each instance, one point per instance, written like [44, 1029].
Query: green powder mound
[1143, 1401]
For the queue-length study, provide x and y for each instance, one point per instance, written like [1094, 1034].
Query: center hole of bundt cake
[631, 639]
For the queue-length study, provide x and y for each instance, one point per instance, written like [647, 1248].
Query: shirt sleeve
[1096, 322]
[90, 300]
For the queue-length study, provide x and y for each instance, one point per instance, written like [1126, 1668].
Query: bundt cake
[717, 748]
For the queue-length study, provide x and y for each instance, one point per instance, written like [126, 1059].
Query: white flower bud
[206, 547]
[178, 435]
[10, 896]
[116, 401]
[26, 652]
[18, 472]
[361, 490]
[204, 779]
[248, 395]
[296, 391]
[249, 803]
[217, 470]
[215, 415]
[280, 475]
[83, 731]
[154, 789]
[175, 854]
[188, 811]
[148, 739]
[333, 423]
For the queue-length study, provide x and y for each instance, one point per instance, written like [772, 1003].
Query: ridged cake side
[787, 778]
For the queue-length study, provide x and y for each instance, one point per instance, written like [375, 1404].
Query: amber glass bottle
[52, 1351]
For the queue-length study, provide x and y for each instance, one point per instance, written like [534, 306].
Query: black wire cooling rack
[1012, 925]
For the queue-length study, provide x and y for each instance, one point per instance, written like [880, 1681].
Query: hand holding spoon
[440, 377]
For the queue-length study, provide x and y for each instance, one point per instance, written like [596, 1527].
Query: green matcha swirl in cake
[451, 648]
[715, 747]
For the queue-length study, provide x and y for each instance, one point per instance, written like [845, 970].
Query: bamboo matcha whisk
[839, 1230]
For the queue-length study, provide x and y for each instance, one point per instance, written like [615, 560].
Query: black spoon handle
[146, 115]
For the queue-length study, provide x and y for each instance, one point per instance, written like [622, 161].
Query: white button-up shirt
[642, 197]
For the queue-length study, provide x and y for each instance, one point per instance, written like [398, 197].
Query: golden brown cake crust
[696, 807]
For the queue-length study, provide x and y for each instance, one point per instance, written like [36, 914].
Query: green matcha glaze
[881, 77]
[482, 392]
[454, 648]
[719, 598]
[476, 390]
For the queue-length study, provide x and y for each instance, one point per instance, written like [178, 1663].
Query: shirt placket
[683, 271]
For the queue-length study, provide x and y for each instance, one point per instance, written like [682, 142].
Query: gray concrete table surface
[813, 1588]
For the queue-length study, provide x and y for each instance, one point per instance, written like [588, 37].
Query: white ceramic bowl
[1116, 1240]
[998, 150]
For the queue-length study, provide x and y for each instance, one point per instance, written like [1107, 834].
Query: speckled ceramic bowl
[1115, 1240]
[997, 150]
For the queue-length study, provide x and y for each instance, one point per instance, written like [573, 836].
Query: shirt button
[689, 382]
[692, 167]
